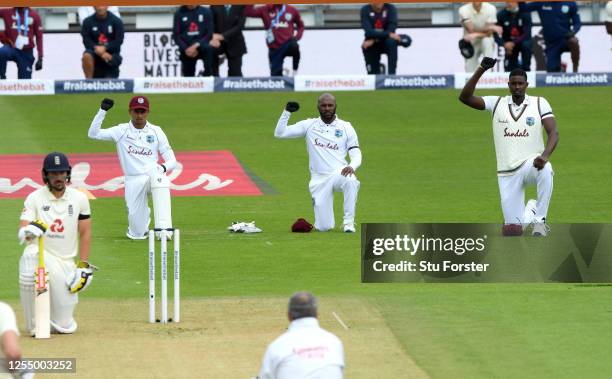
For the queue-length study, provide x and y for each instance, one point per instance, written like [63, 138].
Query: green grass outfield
[426, 158]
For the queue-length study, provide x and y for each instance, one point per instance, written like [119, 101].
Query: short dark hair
[518, 72]
[302, 304]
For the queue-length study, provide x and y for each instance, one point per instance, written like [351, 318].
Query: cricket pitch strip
[216, 338]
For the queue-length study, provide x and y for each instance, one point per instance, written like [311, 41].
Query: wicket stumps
[164, 275]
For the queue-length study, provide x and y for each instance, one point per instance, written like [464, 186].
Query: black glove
[292, 106]
[38, 65]
[107, 104]
[488, 63]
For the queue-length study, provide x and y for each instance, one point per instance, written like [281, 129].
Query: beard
[327, 115]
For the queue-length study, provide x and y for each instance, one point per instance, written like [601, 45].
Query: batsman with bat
[522, 157]
[49, 279]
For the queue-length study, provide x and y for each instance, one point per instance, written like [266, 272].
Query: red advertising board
[198, 173]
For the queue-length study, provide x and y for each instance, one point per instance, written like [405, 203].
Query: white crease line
[340, 321]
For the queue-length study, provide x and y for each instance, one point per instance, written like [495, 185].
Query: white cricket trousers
[137, 189]
[62, 301]
[322, 188]
[483, 47]
[512, 192]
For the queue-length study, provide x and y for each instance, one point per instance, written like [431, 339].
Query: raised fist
[107, 104]
[292, 106]
[488, 63]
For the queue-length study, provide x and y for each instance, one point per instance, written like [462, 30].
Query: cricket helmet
[55, 162]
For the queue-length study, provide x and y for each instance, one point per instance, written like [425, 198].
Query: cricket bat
[42, 305]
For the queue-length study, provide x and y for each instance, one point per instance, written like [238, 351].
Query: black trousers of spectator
[512, 62]
[372, 55]
[23, 58]
[103, 69]
[188, 65]
[234, 64]
[277, 56]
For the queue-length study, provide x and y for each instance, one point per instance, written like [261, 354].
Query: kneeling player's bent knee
[351, 183]
[547, 169]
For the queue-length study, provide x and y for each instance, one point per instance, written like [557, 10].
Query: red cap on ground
[139, 102]
[301, 226]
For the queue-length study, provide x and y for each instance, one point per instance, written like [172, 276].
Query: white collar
[135, 128]
[333, 123]
[526, 101]
[304, 322]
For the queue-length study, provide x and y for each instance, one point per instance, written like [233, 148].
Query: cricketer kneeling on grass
[66, 212]
[522, 158]
[328, 140]
[139, 144]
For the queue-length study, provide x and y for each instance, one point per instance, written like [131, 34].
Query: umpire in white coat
[139, 145]
[328, 140]
[305, 350]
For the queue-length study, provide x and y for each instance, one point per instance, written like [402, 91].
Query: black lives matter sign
[161, 55]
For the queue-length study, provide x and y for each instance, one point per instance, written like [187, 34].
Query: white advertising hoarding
[27, 87]
[491, 80]
[174, 85]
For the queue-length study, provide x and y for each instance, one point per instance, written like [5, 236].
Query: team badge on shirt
[530, 121]
[150, 139]
[288, 16]
[70, 210]
[45, 208]
[339, 133]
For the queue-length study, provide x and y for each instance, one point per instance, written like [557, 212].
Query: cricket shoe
[349, 228]
[540, 229]
[132, 237]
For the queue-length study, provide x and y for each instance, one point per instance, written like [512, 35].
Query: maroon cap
[301, 226]
[139, 102]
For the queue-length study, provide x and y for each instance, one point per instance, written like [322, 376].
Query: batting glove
[34, 229]
[107, 104]
[292, 106]
[488, 63]
[81, 278]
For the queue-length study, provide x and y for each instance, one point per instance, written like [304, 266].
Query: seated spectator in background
[379, 21]
[102, 35]
[21, 27]
[85, 12]
[284, 27]
[227, 37]
[191, 31]
[478, 20]
[305, 350]
[516, 37]
[560, 22]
